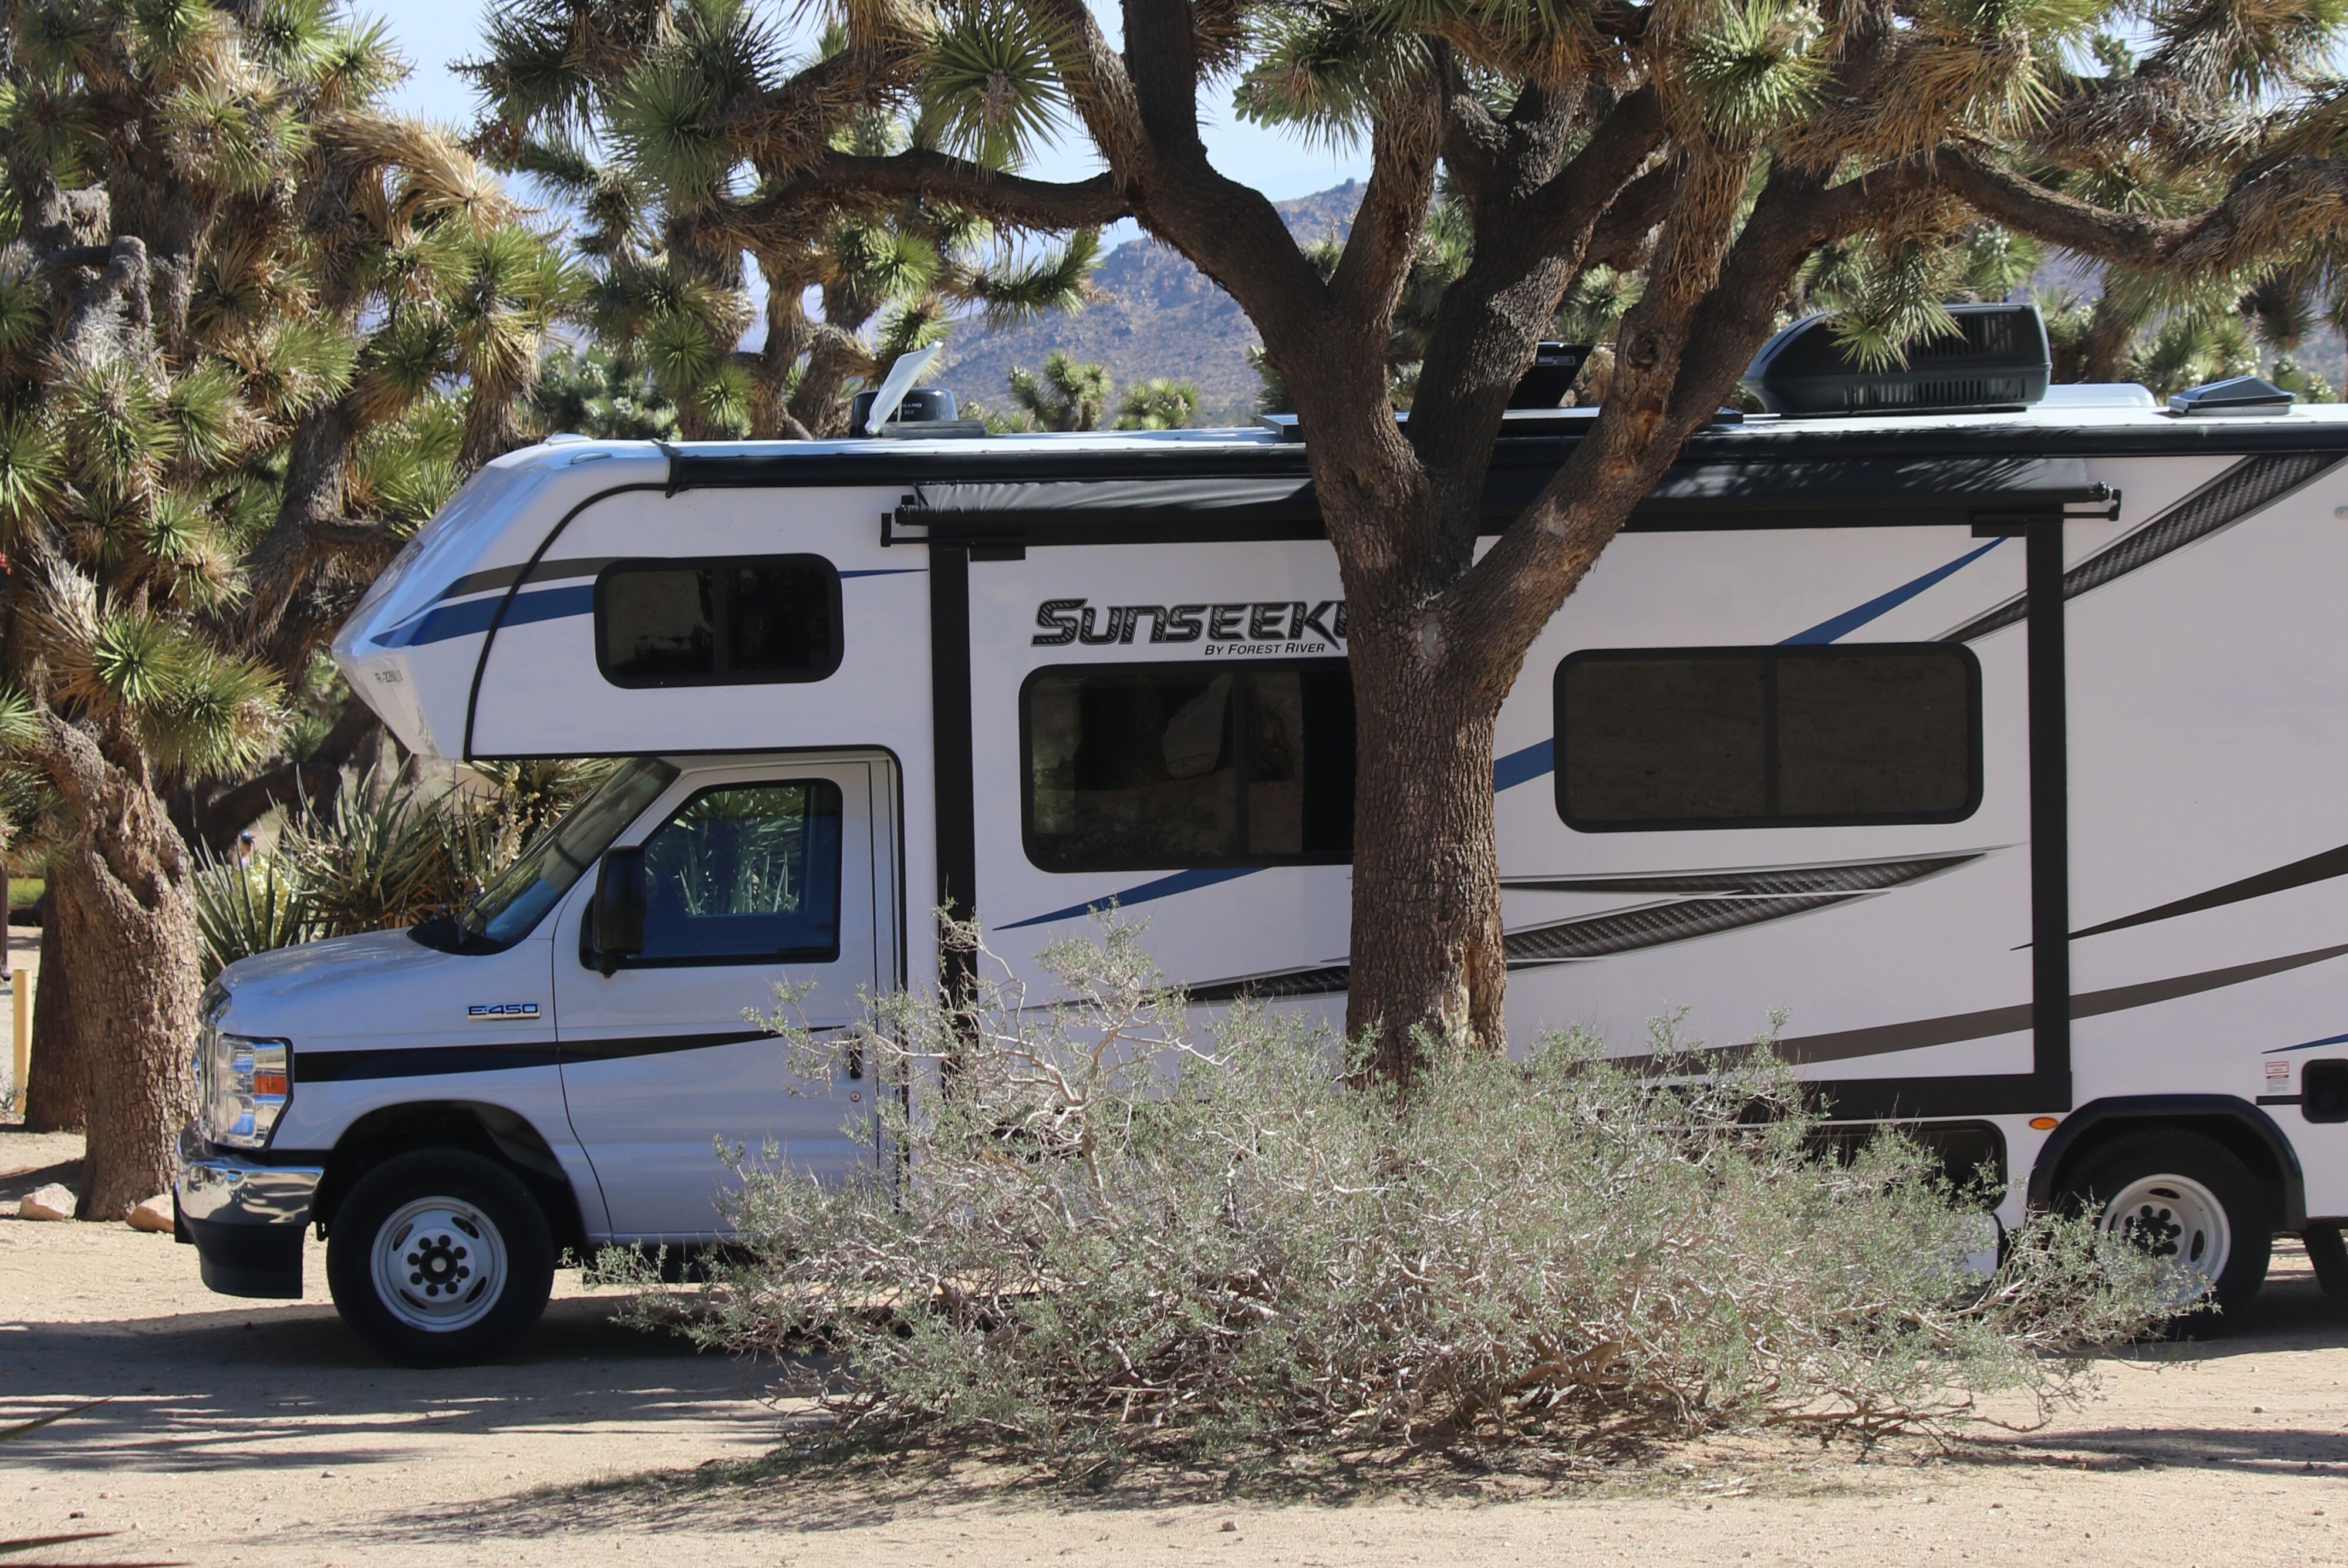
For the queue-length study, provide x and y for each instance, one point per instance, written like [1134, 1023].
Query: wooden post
[20, 1029]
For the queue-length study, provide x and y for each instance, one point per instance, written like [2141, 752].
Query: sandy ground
[263, 1433]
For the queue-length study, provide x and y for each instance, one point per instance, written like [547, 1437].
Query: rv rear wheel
[440, 1257]
[2189, 1200]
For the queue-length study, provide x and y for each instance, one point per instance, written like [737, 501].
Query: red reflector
[269, 1083]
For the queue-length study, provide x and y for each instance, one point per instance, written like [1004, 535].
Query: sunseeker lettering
[1265, 625]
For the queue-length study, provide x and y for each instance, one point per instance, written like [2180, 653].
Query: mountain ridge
[1152, 314]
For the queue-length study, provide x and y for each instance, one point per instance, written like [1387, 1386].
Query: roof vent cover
[2235, 395]
[1997, 358]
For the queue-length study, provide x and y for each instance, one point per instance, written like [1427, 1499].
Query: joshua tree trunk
[120, 897]
[59, 1076]
[1426, 942]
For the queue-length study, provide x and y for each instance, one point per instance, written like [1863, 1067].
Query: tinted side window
[686, 622]
[1133, 767]
[745, 872]
[1778, 736]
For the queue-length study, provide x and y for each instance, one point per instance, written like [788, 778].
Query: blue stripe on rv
[442, 622]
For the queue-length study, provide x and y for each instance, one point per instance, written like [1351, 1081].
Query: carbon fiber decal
[1845, 1045]
[2252, 483]
[1857, 876]
[1741, 898]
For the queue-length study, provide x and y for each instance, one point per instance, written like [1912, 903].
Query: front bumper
[245, 1218]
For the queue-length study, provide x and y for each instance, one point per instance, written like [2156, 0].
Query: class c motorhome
[1995, 735]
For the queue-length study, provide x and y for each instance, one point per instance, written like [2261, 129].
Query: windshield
[510, 907]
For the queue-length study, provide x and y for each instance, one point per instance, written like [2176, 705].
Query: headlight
[245, 1084]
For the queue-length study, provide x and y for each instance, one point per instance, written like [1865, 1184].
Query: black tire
[2136, 1158]
[481, 1232]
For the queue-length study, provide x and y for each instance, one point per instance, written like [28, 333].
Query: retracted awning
[1707, 491]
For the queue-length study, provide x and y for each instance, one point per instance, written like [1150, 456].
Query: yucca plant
[235, 296]
[391, 850]
[1157, 404]
[247, 908]
[1066, 395]
[672, 91]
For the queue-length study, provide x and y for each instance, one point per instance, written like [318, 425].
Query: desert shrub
[1096, 1231]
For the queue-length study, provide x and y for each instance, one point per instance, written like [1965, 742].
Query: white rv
[2002, 748]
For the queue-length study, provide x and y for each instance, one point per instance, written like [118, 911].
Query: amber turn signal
[2043, 1123]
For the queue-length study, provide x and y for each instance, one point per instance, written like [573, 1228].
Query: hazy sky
[433, 33]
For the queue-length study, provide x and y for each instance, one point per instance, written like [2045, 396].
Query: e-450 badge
[502, 1010]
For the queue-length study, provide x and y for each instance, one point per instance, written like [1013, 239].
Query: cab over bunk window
[1655, 739]
[717, 623]
[1160, 766]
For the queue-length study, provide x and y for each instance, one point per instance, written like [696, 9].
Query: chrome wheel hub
[440, 1264]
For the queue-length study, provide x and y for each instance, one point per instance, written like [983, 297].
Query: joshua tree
[203, 214]
[1157, 404]
[1068, 396]
[680, 90]
[1721, 148]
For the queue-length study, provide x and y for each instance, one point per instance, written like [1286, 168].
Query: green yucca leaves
[401, 361]
[681, 351]
[302, 363]
[988, 75]
[666, 121]
[1057, 280]
[231, 136]
[220, 716]
[139, 660]
[169, 33]
[204, 411]
[293, 37]
[1754, 67]
[31, 471]
[114, 432]
[23, 313]
[724, 395]
[1157, 404]
[20, 720]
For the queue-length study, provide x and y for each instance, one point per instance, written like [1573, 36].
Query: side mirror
[619, 907]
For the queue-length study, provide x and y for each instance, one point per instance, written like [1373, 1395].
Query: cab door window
[745, 873]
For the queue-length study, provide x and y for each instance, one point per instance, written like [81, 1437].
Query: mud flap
[2329, 1255]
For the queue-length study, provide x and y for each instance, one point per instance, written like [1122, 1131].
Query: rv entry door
[754, 876]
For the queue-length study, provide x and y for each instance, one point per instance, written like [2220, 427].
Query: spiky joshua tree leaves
[1723, 150]
[705, 117]
[232, 289]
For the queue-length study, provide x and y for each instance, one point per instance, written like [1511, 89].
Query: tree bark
[121, 896]
[1426, 943]
[125, 908]
[58, 1081]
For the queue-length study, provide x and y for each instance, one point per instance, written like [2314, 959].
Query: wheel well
[2240, 1128]
[489, 1130]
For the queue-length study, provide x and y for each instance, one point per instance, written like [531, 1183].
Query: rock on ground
[154, 1214]
[54, 1202]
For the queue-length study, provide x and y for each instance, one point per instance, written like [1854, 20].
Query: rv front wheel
[441, 1257]
[2191, 1202]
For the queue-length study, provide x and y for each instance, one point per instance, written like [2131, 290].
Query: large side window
[1652, 739]
[717, 623]
[1133, 767]
[745, 873]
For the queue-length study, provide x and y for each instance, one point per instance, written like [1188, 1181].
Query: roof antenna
[900, 378]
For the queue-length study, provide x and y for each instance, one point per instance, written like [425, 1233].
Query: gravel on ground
[264, 1433]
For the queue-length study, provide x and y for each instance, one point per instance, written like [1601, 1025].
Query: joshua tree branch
[2293, 196]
